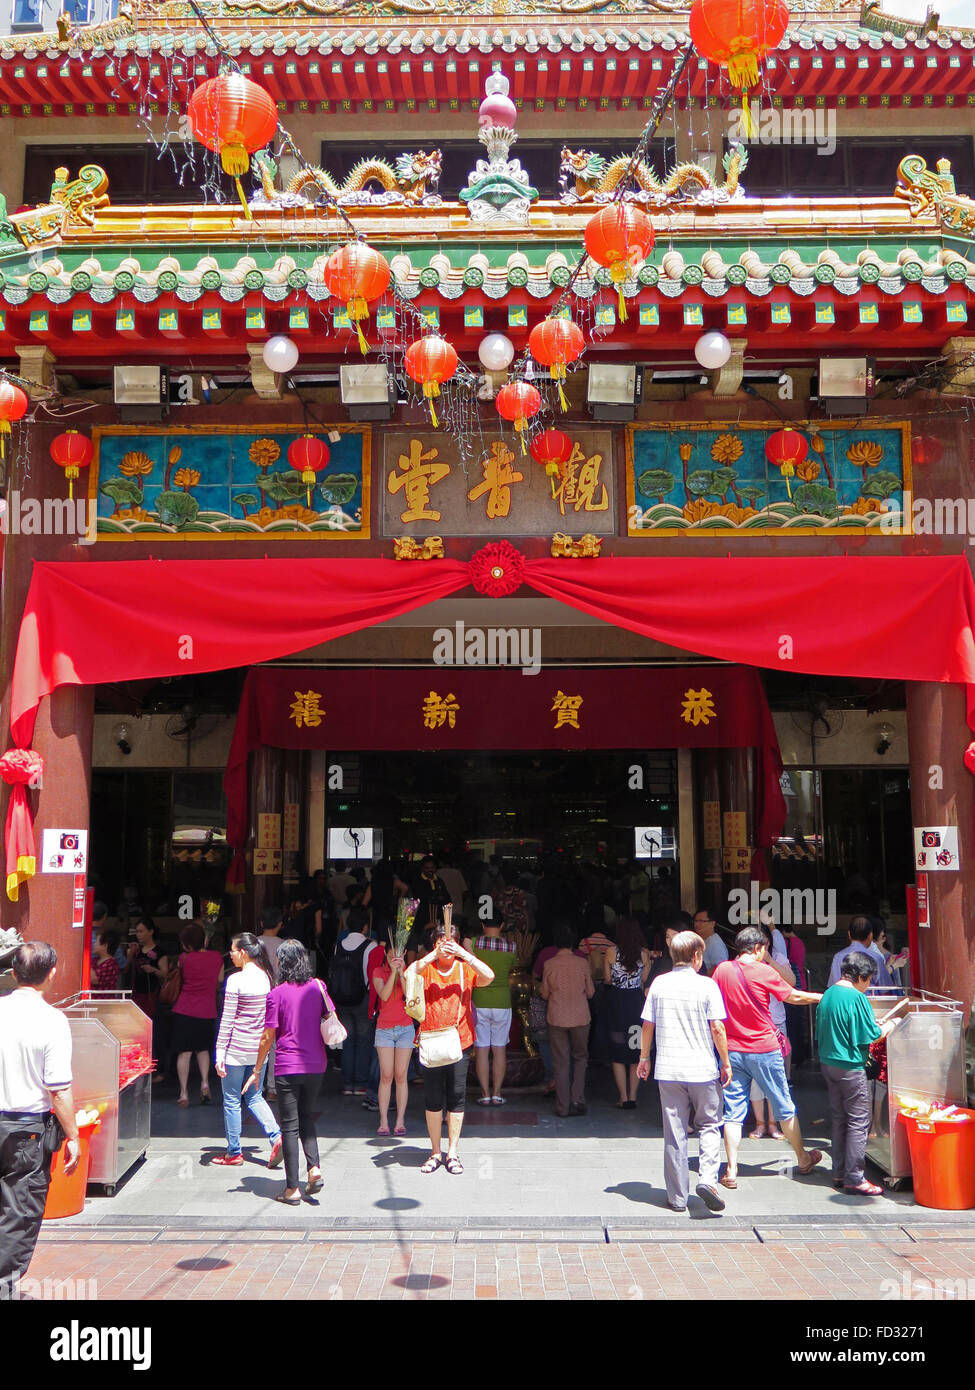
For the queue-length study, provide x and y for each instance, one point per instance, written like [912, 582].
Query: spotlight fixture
[885, 737]
[614, 390]
[122, 735]
[368, 391]
[141, 393]
[845, 385]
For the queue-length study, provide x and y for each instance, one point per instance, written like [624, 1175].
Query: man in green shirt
[493, 1004]
[845, 1028]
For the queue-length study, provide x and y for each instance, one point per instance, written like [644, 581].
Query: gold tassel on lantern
[431, 389]
[558, 376]
[71, 472]
[552, 469]
[788, 470]
[619, 272]
[743, 73]
[235, 161]
[4, 431]
[358, 310]
[308, 478]
[520, 427]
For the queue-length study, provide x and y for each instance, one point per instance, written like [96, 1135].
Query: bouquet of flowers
[405, 916]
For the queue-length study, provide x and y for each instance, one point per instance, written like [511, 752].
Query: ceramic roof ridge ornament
[498, 189]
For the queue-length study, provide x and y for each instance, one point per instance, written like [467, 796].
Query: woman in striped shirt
[238, 1041]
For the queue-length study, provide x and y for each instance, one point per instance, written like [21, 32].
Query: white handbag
[441, 1047]
[334, 1031]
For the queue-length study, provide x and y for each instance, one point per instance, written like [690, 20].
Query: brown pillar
[707, 765]
[63, 730]
[938, 735]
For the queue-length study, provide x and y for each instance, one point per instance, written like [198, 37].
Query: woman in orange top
[450, 975]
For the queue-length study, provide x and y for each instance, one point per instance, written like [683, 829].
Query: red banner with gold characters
[456, 707]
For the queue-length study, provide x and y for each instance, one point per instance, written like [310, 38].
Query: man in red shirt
[746, 985]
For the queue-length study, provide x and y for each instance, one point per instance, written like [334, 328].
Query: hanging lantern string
[661, 102]
[464, 374]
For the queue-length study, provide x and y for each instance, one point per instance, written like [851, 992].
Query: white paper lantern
[280, 354]
[496, 352]
[712, 350]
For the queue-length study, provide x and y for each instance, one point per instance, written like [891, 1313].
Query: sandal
[453, 1164]
[865, 1189]
[183, 1102]
[776, 1134]
[730, 1183]
[484, 1100]
[434, 1162]
[815, 1156]
[383, 1129]
[400, 1129]
[204, 1097]
[288, 1201]
[759, 1132]
[314, 1185]
[497, 1100]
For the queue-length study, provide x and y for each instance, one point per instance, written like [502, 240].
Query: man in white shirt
[35, 1079]
[715, 951]
[686, 1012]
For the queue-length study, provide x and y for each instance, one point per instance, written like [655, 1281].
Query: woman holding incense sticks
[395, 1035]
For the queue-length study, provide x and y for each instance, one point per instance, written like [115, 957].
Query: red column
[938, 735]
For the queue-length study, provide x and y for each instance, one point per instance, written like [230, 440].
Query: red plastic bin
[66, 1195]
[943, 1160]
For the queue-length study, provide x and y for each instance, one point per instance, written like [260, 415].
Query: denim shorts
[768, 1070]
[401, 1036]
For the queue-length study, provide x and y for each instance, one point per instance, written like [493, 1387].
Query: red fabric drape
[900, 618]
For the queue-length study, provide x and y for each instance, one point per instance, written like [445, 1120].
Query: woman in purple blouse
[293, 1021]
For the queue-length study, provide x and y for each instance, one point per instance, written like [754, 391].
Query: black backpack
[345, 980]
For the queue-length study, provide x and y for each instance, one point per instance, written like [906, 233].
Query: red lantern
[926, 451]
[785, 448]
[308, 456]
[235, 117]
[737, 34]
[553, 343]
[621, 238]
[518, 402]
[430, 361]
[72, 452]
[13, 406]
[356, 273]
[552, 449]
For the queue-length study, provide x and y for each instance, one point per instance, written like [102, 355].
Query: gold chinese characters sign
[428, 491]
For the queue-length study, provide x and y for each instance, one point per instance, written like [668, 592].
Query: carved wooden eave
[334, 55]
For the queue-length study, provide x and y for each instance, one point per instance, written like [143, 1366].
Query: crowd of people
[617, 970]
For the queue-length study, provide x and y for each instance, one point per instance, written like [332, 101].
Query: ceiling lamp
[280, 354]
[495, 352]
[713, 351]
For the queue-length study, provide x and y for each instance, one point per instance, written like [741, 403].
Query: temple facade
[201, 601]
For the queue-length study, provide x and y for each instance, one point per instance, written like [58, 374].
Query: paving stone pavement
[547, 1208]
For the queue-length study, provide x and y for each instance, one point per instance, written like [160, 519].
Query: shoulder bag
[334, 1031]
[171, 987]
[441, 1047]
[785, 1047]
[414, 996]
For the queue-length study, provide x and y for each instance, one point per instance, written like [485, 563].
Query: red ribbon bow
[18, 767]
